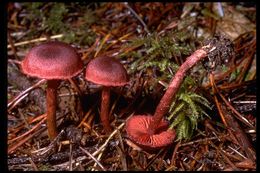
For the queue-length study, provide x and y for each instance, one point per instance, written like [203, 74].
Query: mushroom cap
[52, 60]
[137, 128]
[106, 71]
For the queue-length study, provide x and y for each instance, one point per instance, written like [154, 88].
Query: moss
[58, 18]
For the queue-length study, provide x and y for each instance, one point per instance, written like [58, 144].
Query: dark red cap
[52, 60]
[137, 128]
[106, 71]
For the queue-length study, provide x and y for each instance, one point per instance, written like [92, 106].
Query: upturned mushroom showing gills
[108, 72]
[138, 130]
[53, 61]
[147, 131]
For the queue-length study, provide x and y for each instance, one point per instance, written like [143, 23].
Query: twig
[214, 89]
[85, 117]
[75, 86]
[14, 61]
[123, 159]
[175, 152]
[232, 125]
[14, 147]
[101, 44]
[29, 131]
[153, 159]
[25, 92]
[71, 158]
[33, 164]
[122, 152]
[90, 155]
[225, 157]
[89, 120]
[12, 44]
[138, 17]
[20, 126]
[237, 152]
[108, 139]
[196, 159]
[203, 140]
[89, 50]
[35, 40]
[220, 9]
[240, 136]
[251, 56]
[78, 159]
[98, 158]
[17, 101]
[24, 119]
[233, 156]
[238, 115]
[237, 85]
[46, 150]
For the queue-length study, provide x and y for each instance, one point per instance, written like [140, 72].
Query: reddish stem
[164, 105]
[51, 96]
[104, 115]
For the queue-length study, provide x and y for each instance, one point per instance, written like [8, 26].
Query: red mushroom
[145, 130]
[53, 61]
[106, 71]
[138, 129]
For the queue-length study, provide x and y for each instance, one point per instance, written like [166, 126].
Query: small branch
[35, 40]
[121, 150]
[225, 157]
[71, 157]
[237, 152]
[29, 131]
[108, 139]
[33, 164]
[90, 155]
[203, 140]
[75, 86]
[24, 92]
[214, 89]
[17, 101]
[238, 115]
[14, 61]
[12, 44]
[174, 153]
[14, 147]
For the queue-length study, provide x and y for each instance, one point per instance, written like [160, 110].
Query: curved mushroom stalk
[51, 97]
[164, 105]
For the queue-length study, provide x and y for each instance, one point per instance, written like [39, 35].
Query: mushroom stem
[105, 102]
[164, 104]
[51, 96]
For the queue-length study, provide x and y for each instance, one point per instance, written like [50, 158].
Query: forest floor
[151, 40]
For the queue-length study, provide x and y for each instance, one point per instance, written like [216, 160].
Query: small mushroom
[108, 72]
[53, 61]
